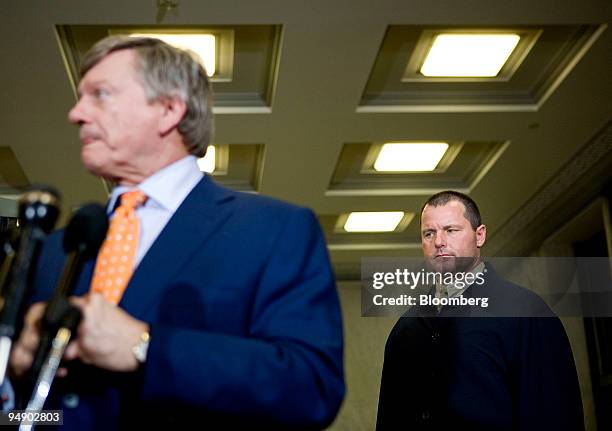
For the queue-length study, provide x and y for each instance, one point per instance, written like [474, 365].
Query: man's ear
[481, 235]
[172, 112]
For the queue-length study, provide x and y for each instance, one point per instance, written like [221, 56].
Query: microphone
[71, 317]
[38, 212]
[8, 244]
[82, 239]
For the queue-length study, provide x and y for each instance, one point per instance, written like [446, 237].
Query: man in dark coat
[454, 368]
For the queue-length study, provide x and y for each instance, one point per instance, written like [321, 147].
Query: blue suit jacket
[245, 323]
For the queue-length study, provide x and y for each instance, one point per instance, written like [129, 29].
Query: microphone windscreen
[45, 188]
[39, 206]
[86, 230]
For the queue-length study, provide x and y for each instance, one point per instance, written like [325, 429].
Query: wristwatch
[140, 349]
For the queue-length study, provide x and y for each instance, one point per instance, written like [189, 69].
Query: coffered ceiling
[317, 86]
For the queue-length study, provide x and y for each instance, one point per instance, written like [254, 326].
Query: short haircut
[166, 72]
[472, 213]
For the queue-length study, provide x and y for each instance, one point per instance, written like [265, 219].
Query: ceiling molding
[375, 246]
[562, 187]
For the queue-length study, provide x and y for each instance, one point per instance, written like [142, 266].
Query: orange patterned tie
[115, 263]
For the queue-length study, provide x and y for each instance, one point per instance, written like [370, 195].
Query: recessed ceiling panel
[542, 58]
[13, 179]
[238, 166]
[468, 55]
[404, 236]
[373, 221]
[462, 166]
[245, 70]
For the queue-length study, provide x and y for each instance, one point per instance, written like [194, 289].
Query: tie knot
[133, 199]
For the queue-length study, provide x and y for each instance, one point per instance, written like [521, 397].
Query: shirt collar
[452, 290]
[166, 188]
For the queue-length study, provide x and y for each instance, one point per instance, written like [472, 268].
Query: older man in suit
[205, 306]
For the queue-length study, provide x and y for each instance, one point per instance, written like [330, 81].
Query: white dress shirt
[166, 190]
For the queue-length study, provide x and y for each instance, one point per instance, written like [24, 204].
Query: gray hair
[167, 71]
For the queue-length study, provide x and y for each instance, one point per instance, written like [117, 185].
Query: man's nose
[77, 115]
[440, 239]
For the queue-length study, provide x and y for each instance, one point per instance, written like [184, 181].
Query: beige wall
[365, 339]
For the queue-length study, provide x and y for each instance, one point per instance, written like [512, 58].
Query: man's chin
[442, 264]
[94, 166]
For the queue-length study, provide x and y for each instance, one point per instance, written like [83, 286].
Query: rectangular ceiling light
[204, 45]
[410, 156]
[207, 163]
[468, 55]
[373, 221]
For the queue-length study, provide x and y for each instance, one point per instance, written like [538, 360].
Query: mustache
[86, 133]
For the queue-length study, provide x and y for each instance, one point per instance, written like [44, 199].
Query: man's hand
[106, 335]
[25, 348]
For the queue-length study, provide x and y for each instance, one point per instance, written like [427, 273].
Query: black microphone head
[39, 206]
[86, 230]
[71, 319]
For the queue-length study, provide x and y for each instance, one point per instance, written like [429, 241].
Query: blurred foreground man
[448, 368]
[221, 313]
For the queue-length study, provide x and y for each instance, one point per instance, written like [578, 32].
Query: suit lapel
[197, 218]
[84, 281]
